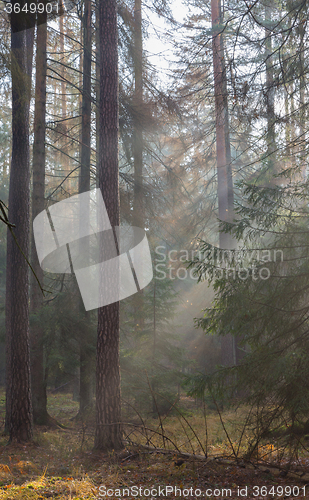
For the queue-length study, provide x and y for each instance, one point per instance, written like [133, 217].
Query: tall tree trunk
[302, 105]
[270, 102]
[64, 129]
[108, 435]
[224, 169]
[38, 379]
[19, 418]
[138, 199]
[97, 88]
[86, 359]
[138, 205]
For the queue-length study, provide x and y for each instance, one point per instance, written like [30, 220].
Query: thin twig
[222, 423]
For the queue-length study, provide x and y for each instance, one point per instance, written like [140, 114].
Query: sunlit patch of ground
[146, 472]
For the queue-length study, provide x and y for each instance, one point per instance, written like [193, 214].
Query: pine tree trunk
[65, 163]
[38, 379]
[224, 169]
[19, 418]
[97, 88]
[270, 103]
[108, 434]
[138, 199]
[84, 179]
[86, 359]
[302, 105]
[138, 205]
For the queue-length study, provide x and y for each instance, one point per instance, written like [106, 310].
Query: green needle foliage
[261, 297]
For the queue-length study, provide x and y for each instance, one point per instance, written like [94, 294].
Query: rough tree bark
[108, 435]
[19, 418]
[86, 356]
[38, 379]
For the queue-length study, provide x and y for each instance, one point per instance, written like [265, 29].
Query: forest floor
[61, 463]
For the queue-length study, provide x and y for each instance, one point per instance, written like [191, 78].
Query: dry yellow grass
[196, 434]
